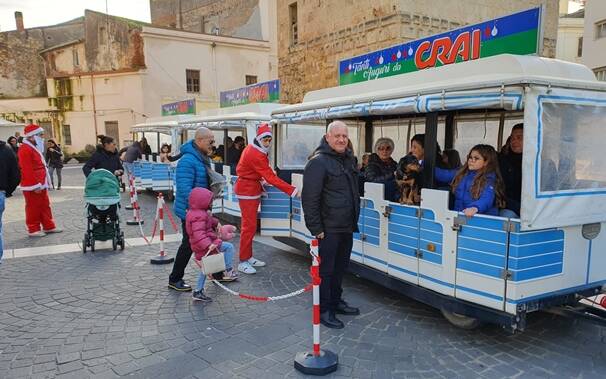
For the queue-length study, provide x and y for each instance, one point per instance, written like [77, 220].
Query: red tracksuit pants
[248, 210]
[38, 211]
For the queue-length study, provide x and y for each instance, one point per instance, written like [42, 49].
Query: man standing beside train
[331, 204]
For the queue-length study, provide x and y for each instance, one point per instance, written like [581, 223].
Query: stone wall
[21, 67]
[234, 18]
[329, 31]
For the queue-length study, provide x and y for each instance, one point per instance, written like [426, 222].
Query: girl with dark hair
[105, 157]
[54, 161]
[477, 186]
[451, 159]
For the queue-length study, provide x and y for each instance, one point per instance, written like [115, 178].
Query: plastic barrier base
[309, 364]
[134, 222]
[161, 260]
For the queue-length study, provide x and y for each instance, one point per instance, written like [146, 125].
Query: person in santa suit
[34, 184]
[252, 170]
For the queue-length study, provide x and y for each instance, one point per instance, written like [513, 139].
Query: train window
[165, 139]
[402, 130]
[152, 141]
[471, 130]
[354, 128]
[572, 155]
[297, 142]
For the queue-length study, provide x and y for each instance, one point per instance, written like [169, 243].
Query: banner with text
[266, 92]
[179, 107]
[517, 33]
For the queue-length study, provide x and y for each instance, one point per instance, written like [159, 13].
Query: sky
[50, 12]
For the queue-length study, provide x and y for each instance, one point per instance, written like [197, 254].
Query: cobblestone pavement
[109, 314]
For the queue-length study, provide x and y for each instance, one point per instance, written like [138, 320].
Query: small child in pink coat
[204, 235]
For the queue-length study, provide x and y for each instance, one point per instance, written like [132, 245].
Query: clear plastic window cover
[298, 142]
[509, 99]
[572, 143]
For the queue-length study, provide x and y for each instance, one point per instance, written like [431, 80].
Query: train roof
[505, 73]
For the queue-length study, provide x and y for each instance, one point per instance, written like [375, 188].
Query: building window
[75, 58]
[600, 29]
[192, 78]
[294, 28]
[580, 47]
[67, 135]
[251, 79]
[600, 73]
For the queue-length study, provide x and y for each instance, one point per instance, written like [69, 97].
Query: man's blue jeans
[2, 201]
[228, 254]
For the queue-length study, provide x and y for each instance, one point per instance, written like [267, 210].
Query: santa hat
[264, 130]
[32, 130]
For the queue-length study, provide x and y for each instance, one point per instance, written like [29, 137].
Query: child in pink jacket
[203, 231]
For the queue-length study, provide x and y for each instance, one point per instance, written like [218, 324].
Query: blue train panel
[535, 254]
[403, 230]
[275, 204]
[430, 238]
[482, 246]
[369, 223]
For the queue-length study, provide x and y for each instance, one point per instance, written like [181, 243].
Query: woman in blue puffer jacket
[477, 186]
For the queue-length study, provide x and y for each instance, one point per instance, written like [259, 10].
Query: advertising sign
[518, 33]
[179, 107]
[266, 92]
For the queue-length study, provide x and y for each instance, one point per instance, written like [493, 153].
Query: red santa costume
[252, 169]
[34, 184]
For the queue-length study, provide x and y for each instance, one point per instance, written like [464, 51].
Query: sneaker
[56, 230]
[39, 233]
[246, 268]
[229, 276]
[200, 296]
[179, 286]
[255, 262]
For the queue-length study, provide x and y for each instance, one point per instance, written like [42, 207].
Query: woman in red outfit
[252, 170]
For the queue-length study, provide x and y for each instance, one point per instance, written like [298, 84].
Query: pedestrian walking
[331, 204]
[9, 180]
[35, 183]
[252, 169]
[106, 157]
[192, 172]
[54, 161]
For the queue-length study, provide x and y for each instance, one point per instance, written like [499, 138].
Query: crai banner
[179, 107]
[518, 33]
[266, 92]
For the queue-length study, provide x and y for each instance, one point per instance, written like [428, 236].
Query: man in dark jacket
[510, 164]
[9, 180]
[331, 204]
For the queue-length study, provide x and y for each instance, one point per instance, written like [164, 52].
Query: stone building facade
[314, 35]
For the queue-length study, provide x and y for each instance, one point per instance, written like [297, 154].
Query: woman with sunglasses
[252, 170]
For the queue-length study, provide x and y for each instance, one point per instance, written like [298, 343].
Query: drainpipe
[92, 84]
[216, 84]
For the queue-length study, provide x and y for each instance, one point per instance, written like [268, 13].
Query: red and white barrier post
[162, 258]
[136, 211]
[317, 362]
[131, 190]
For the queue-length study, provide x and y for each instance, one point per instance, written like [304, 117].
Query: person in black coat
[105, 157]
[510, 165]
[54, 161]
[331, 204]
[13, 143]
[9, 180]
[381, 168]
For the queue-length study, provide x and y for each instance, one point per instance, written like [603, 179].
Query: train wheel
[461, 321]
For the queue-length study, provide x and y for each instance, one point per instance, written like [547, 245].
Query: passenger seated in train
[451, 159]
[477, 186]
[234, 152]
[381, 168]
[165, 156]
[510, 165]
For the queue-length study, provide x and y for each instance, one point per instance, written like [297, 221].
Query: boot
[344, 309]
[329, 320]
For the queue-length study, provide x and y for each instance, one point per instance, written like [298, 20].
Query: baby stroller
[102, 197]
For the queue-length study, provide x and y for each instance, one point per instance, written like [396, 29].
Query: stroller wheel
[121, 243]
[84, 243]
[114, 243]
[92, 244]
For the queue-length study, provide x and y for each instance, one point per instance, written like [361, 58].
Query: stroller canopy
[102, 188]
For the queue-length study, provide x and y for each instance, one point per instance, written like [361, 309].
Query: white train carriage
[233, 122]
[481, 268]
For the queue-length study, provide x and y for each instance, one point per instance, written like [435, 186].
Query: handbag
[213, 263]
